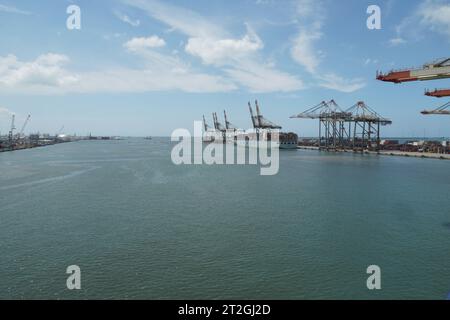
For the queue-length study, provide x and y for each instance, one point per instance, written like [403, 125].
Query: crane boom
[205, 125]
[226, 120]
[24, 125]
[442, 110]
[60, 131]
[438, 93]
[439, 69]
[253, 117]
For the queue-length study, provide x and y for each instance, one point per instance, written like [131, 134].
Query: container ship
[263, 131]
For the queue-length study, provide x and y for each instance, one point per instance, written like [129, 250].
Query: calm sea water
[140, 227]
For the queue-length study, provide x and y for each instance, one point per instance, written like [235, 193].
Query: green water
[140, 227]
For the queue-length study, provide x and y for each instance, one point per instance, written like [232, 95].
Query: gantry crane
[442, 110]
[438, 93]
[259, 122]
[367, 124]
[438, 69]
[332, 123]
[336, 124]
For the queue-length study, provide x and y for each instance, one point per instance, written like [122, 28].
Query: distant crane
[254, 119]
[217, 125]
[13, 127]
[442, 110]
[228, 124]
[59, 131]
[335, 125]
[205, 125]
[259, 121]
[20, 134]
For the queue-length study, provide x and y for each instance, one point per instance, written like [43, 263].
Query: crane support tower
[356, 128]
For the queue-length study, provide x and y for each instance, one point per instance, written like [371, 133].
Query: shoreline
[31, 146]
[392, 153]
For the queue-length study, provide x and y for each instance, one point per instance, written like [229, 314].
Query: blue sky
[147, 67]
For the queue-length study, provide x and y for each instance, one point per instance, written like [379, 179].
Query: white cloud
[396, 41]
[430, 15]
[47, 75]
[46, 71]
[309, 9]
[112, 36]
[207, 40]
[11, 9]
[370, 61]
[335, 82]
[168, 72]
[435, 15]
[310, 15]
[264, 2]
[264, 78]
[148, 80]
[5, 112]
[136, 44]
[127, 19]
[213, 51]
[304, 52]
[183, 20]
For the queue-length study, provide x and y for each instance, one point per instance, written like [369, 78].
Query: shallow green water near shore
[141, 227]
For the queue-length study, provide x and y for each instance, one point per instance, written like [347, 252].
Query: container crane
[438, 69]
[263, 123]
[335, 125]
[438, 93]
[442, 110]
[217, 125]
[20, 134]
[254, 119]
[228, 124]
[205, 125]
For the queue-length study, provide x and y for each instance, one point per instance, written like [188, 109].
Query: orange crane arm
[431, 71]
[438, 93]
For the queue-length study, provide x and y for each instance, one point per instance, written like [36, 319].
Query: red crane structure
[438, 93]
[438, 69]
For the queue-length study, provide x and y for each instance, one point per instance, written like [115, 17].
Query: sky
[148, 67]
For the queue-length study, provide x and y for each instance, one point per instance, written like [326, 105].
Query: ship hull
[288, 146]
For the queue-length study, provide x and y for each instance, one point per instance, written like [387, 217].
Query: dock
[396, 153]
